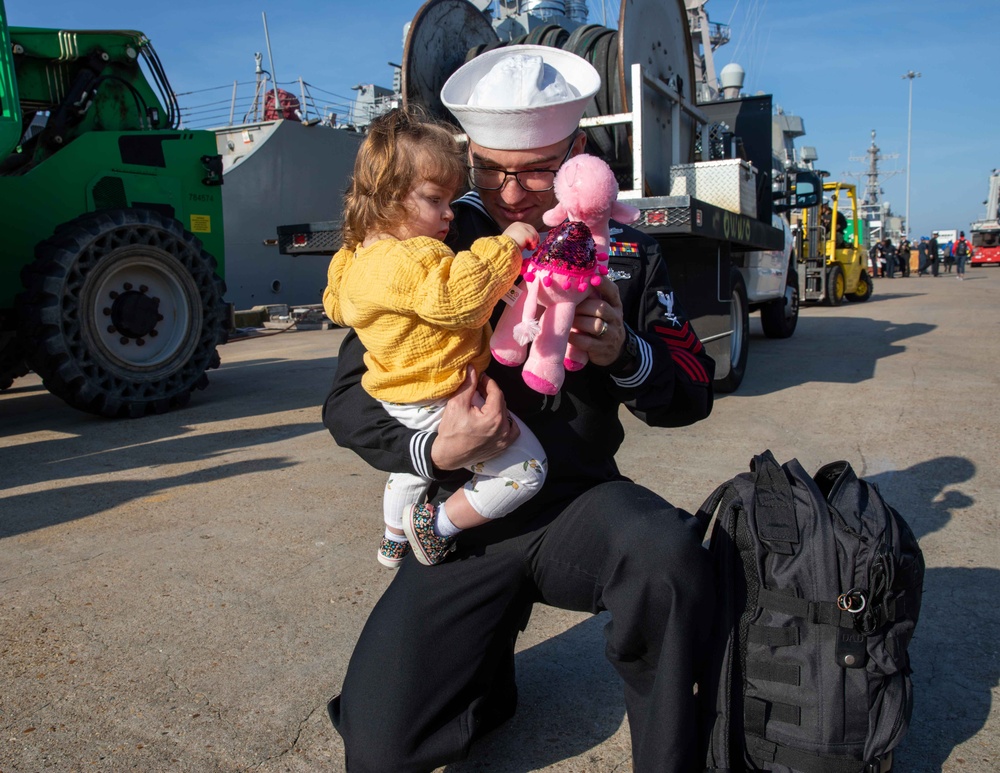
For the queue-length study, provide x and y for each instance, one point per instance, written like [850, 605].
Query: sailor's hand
[470, 433]
[598, 327]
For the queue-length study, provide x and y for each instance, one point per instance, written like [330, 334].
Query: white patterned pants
[498, 485]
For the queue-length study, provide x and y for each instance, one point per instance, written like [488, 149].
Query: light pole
[909, 128]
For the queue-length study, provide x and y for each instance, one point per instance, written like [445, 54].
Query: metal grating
[665, 217]
[309, 238]
[719, 136]
[109, 193]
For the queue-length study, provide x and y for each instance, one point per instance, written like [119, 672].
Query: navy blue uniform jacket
[669, 384]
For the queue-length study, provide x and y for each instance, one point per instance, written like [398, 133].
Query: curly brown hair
[402, 148]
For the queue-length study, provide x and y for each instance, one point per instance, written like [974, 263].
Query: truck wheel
[834, 285]
[739, 341]
[864, 289]
[122, 313]
[780, 317]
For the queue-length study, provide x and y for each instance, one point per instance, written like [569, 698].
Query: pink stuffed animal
[588, 192]
[567, 265]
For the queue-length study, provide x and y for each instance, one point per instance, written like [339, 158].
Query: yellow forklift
[833, 249]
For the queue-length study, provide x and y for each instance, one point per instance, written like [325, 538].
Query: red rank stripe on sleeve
[681, 337]
[684, 345]
[690, 365]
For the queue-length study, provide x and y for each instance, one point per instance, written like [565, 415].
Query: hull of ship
[279, 173]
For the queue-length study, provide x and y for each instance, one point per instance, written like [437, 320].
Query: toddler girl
[422, 312]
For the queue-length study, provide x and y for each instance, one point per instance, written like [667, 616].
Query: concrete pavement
[182, 592]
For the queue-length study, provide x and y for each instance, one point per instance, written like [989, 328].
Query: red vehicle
[986, 233]
[985, 244]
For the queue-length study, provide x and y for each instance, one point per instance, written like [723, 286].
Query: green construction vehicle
[111, 272]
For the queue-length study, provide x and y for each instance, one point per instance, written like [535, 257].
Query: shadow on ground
[954, 654]
[238, 389]
[824, 350]
[27, 512]
[63, 443]
[570, 701]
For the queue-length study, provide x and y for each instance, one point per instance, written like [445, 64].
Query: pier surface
[183, 592]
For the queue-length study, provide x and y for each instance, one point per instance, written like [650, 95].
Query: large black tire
[122, 313]
[780, 317]
[739, 340]
[864, 289]
[835, 285]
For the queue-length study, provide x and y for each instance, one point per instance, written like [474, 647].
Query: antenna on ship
[270, 61]
[255, 105]
[707, 36]
[872, 209]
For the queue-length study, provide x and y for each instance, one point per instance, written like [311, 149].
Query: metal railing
[679, 104]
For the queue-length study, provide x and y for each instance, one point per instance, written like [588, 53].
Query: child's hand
[522, 233]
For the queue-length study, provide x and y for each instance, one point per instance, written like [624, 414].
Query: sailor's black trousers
[434, 665]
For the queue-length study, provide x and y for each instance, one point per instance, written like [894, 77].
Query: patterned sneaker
[428, 547]
[391, 553]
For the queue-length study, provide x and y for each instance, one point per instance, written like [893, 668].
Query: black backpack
[961, 249]
[819, 585]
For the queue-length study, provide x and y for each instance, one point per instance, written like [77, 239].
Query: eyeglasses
[531, 180]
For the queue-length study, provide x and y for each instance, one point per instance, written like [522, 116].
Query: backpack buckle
[853, 601]
[881, 764]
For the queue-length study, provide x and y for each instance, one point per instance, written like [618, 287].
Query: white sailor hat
[520, 97]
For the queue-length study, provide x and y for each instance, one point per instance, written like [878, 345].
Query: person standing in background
[933, 255]
[874, 258]
[889, 255]
[948, 256]
[903, 256]
[961, 250]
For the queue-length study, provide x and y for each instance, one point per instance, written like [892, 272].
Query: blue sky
[838, 65]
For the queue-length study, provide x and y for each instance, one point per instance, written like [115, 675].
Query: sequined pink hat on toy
[569, 252]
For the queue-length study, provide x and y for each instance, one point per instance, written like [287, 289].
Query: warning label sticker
[201, 224]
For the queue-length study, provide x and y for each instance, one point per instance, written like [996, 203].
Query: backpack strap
[774, 504]
[766, 752]
[711, 505]
[816, 612]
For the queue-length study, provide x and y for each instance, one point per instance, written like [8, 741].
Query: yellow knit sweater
[421, 310]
